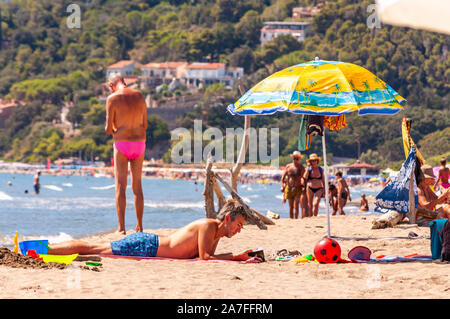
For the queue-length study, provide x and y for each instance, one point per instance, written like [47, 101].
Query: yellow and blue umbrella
[328, 88]
[320, 87]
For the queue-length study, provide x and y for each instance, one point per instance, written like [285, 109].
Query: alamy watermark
[74, 19]
[190, 147]
[373, 20]
[373, 280]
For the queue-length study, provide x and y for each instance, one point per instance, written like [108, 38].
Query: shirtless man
[315, 183]
[292, 185]
[197, 239]
[427, 198]
[343, 192]
[126, 120]
[443, 177]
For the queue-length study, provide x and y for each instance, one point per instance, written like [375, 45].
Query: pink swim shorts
[131, 149]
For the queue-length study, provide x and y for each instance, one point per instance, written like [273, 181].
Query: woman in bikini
[314, 183]
[443, 177]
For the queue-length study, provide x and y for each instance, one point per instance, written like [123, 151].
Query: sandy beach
[179, 279]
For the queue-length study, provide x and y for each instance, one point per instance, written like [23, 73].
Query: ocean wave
[174, 204]
[63, 204]
[68, 184]
[4, 196]
[53, 187]
[103, 187]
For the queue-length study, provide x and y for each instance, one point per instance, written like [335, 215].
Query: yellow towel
[407, 140]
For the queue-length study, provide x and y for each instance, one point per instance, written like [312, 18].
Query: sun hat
[314, 157]
[296, 154]
[359, 253]
[427, 171]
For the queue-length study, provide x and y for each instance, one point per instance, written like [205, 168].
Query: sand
[119, 278]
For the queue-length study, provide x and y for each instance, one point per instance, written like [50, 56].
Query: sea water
[70, 207]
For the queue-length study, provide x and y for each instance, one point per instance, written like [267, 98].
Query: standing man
[126, 120]
[36, 183]
[292, 185]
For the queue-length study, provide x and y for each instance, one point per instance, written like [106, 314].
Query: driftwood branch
[208, 191]
[412, 211]
[220, 198]
[429, 214]
[259, 219]
[390, 219]
[243, 150]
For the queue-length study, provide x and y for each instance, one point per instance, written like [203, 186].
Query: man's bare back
[184, 242]
[126, 115]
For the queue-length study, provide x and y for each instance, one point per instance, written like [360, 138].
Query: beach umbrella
[328, 88]
[431, 15]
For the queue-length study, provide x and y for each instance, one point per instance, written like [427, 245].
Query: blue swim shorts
[137, 244]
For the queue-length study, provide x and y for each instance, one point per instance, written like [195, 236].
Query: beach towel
[395, 195]
[304, 139]
[335, 122]
[436, 226]
[387, 259]
[315, 125]
[445, 234]
[407, 140]
[252, 260]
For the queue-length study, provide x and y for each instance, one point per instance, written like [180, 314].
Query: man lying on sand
[197, 239]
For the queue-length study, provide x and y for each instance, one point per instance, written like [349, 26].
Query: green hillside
[46, 64]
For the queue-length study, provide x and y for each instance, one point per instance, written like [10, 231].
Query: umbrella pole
[325, 169]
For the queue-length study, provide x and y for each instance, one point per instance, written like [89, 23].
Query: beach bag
[445, 234]
[436, 226]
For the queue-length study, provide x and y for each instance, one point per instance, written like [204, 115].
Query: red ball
[327, 251]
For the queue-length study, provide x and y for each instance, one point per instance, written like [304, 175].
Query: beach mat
[249, 261]
[396, 259]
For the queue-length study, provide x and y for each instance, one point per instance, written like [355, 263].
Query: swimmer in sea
[37, 185]
[364, 204]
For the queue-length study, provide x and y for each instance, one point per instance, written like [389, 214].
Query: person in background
[36, 184]
[292, 186]
[443, 177]
[428, 200]
[364, 204]
[333, 197]
[343, 193]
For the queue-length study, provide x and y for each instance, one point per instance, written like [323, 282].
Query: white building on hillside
[124, 67]
[204, 74]
[271, 30]
[154, 74]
